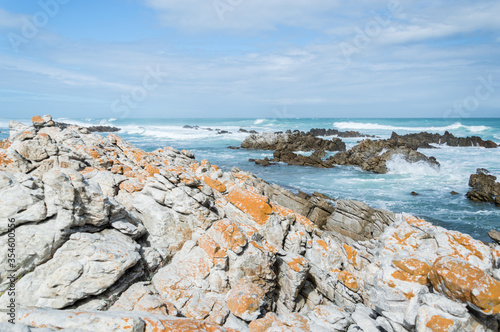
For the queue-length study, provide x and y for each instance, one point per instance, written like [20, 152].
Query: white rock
[85, 265]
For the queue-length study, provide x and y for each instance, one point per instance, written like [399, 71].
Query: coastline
[182, 244]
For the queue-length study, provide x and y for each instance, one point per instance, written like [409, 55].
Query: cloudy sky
[249, 58]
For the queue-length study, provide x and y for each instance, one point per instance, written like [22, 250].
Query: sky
[249, 58]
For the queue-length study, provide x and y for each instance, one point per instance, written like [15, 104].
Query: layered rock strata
[113, 238]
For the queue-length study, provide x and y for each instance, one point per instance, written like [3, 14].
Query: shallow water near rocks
[390, 191]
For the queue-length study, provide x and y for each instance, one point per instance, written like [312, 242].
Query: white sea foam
[375, 126]
[398, 165]
[259, 121]
[178, 133]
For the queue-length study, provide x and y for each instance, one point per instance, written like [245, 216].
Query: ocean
[391, 191]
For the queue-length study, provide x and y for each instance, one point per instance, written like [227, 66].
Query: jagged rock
[484, 187]
[358, 221]
[314, 160]
[424, 139]
[335, 132]
[85, 265]
[374, 155]
[296, 141]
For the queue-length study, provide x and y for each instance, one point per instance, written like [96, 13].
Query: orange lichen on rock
[131, 186]
[229, 235]
[255, 205]
[416, 222]
[409, 295]
[152, 170]
[214, 184]
[348, 280]
[412, 270]
[5, 144]
[262, 324]
[461, 281]
[464, 240]
[245, 300]
[351, 254]
[439, 324]
[212, 249]
[37, 119]
[298, 264]
[4, 160]
[308, 224]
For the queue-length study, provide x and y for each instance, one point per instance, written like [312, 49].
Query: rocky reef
[335, 132]
[292, 141]
[484, 187]
[424, 139]
[113, 238]
[373, 155]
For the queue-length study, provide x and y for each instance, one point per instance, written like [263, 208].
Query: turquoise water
[390, 191]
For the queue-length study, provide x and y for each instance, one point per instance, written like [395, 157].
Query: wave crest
[375, 126]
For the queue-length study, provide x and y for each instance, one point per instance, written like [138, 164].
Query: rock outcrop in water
[374, 155]
[291, 141]
[112, 238]
[424, 139]
[314, 160]
[335, 132]
[484, 187]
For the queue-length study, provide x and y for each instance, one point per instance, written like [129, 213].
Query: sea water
[391, 191]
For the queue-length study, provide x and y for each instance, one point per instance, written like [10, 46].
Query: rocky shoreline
[113, 238]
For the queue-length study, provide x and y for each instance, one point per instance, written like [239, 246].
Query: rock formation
[484, 187]
[314, 160]
[291, 141]
[335, 132]
[112, 238]
[92, 129]
[374, 155]
[424, 139]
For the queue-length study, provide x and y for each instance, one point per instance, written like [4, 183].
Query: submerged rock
[157, 241]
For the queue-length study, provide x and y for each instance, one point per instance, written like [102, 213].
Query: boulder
[85, 265]
[484, 187]
[461, 281]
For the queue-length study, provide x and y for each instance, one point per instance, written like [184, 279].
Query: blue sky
[248, 58]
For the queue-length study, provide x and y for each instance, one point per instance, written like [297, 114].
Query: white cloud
[10, 20]
[242, 15]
